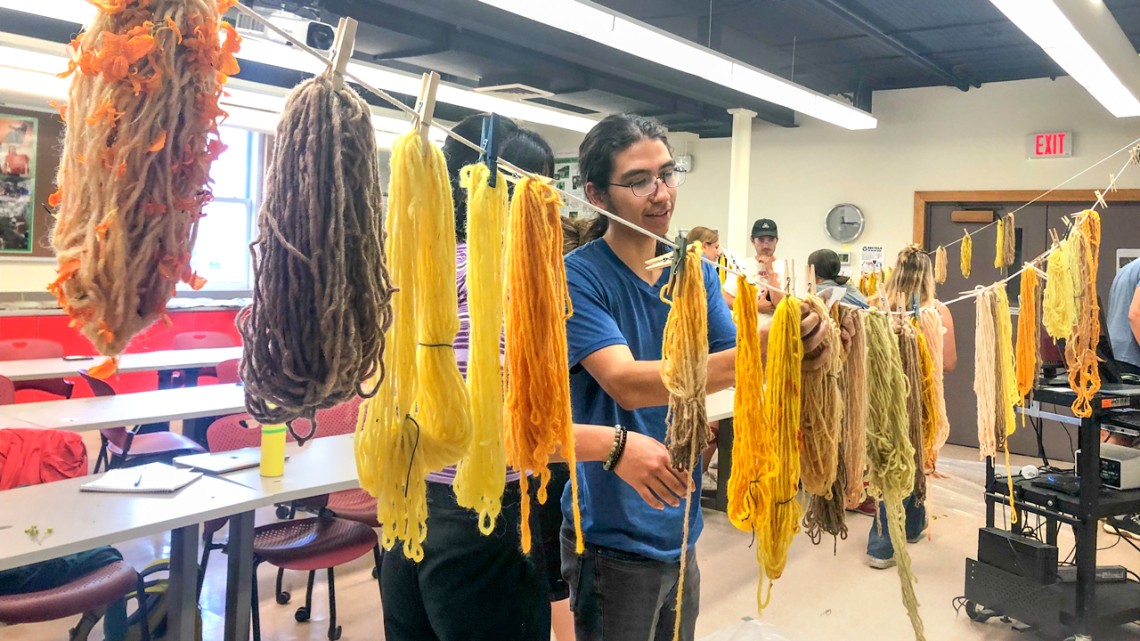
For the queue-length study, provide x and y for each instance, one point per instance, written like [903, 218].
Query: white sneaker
[880, 564]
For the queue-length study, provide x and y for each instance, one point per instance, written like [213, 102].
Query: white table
[85, 520]
[49, 368]
[139, 408]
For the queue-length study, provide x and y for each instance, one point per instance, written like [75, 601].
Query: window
[221, 253]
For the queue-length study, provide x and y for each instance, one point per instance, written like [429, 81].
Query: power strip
[1104, 574]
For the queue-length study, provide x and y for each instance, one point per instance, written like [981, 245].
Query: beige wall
[928, 139]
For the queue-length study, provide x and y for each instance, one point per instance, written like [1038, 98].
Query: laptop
[222, 462]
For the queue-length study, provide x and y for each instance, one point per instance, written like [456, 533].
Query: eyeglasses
[648, 186]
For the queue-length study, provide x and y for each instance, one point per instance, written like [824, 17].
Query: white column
[736, 236]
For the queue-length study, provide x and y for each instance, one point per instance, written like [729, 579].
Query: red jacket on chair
[33, 456]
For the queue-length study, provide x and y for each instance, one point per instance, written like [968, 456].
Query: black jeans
[619, 596]
[469, 587]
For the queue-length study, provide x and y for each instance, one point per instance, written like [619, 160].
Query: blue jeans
[619, 596]
[879, 543]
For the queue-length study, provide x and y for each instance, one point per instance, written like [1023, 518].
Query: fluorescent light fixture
[1047, 25]
[287, 57]
[636, 38]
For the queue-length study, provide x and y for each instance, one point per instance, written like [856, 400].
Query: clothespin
[1054, 236]
[790, 277]
[343, 45]
[1100, 199]
[660, 262]
[1134, 155]
[425, 106]
[1112, 183]
[490, 144]
[811, 279]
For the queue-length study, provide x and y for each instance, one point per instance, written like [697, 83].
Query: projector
[1119, 466]
[313, 33]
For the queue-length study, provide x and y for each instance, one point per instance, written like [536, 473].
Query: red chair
[7, 392]
[122, 446]
[310, 544]
[227, 371]
[26, 348]
[56, 455]
[199, 340]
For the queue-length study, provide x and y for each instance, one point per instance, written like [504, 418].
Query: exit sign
[1054, 144]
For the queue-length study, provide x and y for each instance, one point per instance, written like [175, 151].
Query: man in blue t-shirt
[632, 515]
[1124, 332]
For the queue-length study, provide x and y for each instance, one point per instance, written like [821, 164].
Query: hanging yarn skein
[933, 334]
[985, 373]
[753, 450]
[912, 368]
[821, 438]
[890, 455]
[684, 371]
[1080, 351]
[1028, 340]
[536, 367]
[480, 476]
[322, 296]
[999, 245]
[419, 421]
[821, 414]
[940, 265]
[966, 257]
[929, 394]
[141, 132]
[1007, 396]
[753, 458]
[1059, 302]
[783, 411]
[855, 411]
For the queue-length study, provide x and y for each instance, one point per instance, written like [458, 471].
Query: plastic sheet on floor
[750, 629]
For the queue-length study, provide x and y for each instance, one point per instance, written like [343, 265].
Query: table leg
[239, 577]
[182, 610]
[1085, 533]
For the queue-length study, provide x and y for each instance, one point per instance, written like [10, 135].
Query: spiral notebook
[152, 478]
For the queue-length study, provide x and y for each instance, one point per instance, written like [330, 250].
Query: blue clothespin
[490, 145]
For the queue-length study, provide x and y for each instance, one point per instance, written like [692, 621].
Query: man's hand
[847, 330]
[813, 330]
[645, 466]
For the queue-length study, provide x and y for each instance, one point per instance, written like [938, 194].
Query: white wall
[927, 139]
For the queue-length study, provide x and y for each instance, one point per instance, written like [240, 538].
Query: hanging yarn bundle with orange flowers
[536, 367]
[142, 131]
[1080, 351]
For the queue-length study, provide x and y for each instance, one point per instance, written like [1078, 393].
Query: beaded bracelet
[617, 449]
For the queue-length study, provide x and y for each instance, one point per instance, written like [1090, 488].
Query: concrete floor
[822, 595]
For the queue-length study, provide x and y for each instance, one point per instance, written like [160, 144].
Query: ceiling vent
[514, 91]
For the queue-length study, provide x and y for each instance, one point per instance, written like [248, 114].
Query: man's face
[765, 246]
[643, 160]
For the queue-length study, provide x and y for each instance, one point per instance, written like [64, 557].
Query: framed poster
[17, 183]
[567, 178]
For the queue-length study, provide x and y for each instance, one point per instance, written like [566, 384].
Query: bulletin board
[29, 156]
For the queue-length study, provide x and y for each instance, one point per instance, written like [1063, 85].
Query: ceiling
[837, 47]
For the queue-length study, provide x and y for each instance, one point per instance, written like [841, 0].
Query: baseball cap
[765, 227]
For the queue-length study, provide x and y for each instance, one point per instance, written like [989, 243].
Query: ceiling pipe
[873, 31]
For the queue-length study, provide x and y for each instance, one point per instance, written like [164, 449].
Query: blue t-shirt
[612, 306]
[1124, 346]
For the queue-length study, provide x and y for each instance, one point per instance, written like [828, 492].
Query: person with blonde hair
[710, 241]
[910, 284]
